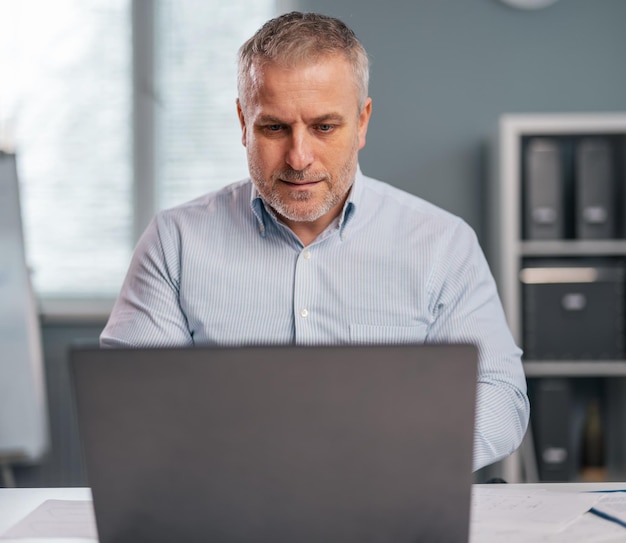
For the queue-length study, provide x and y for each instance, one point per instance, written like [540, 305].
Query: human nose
[300, 152]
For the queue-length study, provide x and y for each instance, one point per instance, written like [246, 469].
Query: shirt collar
[263, 212]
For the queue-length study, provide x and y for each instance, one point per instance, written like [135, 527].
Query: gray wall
[444, 70]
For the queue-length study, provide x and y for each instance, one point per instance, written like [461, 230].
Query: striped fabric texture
[222, 270]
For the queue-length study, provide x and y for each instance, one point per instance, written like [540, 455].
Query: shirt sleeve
[466, 308]
[147, 312]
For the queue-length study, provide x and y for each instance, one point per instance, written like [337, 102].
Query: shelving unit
[509, 252]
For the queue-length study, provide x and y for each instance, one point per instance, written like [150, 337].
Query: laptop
[278, 444]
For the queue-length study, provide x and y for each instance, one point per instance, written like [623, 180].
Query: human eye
[325, 127]
[273, 129]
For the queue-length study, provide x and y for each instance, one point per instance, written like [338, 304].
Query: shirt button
[306, 254]
[304, 313]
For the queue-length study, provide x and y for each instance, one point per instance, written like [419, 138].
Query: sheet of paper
[511, 515]
[613, 504]
[57, 518]
[587, 529]
[539, 510]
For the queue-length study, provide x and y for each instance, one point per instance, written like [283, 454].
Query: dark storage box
[573, 310]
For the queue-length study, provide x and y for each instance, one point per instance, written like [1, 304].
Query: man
[309, 251]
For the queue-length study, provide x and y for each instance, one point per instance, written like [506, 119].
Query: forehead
[327, 81]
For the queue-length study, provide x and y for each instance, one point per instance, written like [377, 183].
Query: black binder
[595, 189]
[552, 429]
[544, 190]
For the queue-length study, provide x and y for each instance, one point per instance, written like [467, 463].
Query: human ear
[364, 119]
[242, 122]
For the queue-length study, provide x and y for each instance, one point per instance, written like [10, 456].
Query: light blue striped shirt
[221, 270]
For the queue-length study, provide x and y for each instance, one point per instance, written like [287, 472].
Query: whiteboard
[24, 434]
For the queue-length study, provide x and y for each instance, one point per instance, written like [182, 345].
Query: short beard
[292, 212]
[296, 213]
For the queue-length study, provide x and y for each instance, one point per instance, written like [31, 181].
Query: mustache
[299, 176]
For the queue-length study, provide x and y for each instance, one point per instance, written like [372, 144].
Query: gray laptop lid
[280, 444]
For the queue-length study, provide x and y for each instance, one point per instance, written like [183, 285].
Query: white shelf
[508, 247]
[574, 248]
[575, 368]
[508, 250]
[523, 124]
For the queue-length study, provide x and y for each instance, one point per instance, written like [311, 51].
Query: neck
[307, 232]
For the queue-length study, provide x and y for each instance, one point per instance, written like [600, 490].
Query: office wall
[444, 70]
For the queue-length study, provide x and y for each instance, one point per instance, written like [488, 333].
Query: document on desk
[57, 519]
[612, 507]
[538, 516]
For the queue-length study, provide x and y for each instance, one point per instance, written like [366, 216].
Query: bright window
[198, 134]
[67, 110]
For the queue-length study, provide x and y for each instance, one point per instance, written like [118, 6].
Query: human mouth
[301, 181]
[301, 184]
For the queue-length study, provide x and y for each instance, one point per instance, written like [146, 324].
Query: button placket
[306, 255]
[303, 290]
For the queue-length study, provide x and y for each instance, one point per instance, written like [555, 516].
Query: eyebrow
[328, 117]
[268, 119]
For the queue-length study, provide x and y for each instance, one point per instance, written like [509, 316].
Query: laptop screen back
[281, 444]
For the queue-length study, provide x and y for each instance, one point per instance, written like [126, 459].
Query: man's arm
[147, 311]
[466, 308]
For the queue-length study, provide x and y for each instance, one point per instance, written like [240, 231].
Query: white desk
[15, 504]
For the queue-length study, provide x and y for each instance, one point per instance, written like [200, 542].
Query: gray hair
[296, 37]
